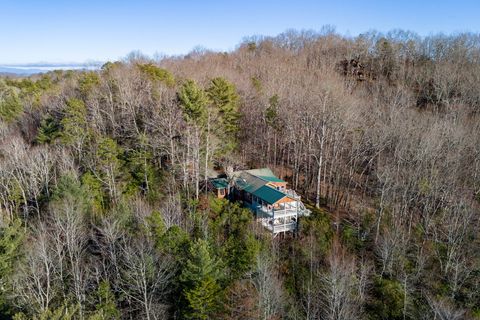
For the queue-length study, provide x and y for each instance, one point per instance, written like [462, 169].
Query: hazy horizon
[35, 68]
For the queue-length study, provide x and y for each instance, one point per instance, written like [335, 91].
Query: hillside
[105, 212]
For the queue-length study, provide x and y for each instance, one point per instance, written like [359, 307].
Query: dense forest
[105, 213]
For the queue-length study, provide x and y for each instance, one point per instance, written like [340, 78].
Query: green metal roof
[220, 183]
[269, 194]
[271, 179]
[265, 174]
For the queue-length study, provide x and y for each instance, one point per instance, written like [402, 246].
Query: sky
[66, 31]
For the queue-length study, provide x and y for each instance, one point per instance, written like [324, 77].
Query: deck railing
[279, 213]
[291, 226]
[292, 193]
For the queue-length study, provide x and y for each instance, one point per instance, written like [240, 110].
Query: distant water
[42, 68]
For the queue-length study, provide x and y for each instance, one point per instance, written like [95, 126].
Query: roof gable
[265, 174]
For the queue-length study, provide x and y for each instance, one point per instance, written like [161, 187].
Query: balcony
[263, 212]
[276, 228]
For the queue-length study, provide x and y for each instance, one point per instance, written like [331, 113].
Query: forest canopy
[105, 211]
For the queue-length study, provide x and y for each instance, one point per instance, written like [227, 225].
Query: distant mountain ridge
[34, 68]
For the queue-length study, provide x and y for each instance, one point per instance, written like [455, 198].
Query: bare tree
[38, 282]
[340, 286]
[444, 310]
[145, 277]
[269, 289]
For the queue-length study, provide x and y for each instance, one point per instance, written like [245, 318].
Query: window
[222, 192]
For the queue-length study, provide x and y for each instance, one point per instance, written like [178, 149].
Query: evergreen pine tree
[193, 101]
[106, 307]
[10, 106]
[48, 131]
[11, 238]
[225, 101]
[200, 279]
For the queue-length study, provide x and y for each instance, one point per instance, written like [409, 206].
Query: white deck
[291, 226]
[262, 212]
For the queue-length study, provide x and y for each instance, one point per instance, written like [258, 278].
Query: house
[274, 205]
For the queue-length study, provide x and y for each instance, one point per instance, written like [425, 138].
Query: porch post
[273, 221]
